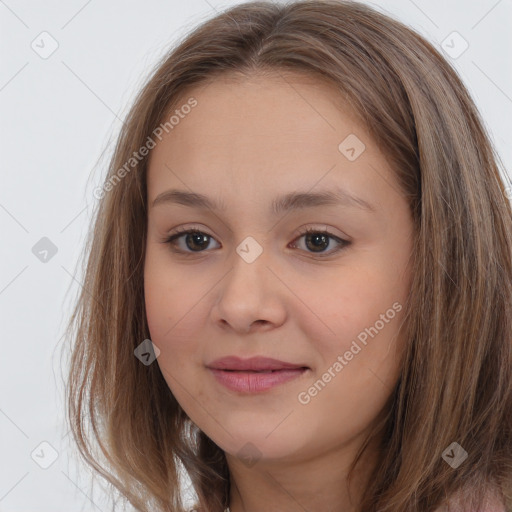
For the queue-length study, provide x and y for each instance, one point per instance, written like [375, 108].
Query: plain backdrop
[58, 113]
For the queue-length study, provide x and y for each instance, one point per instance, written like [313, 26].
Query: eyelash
[171, 240]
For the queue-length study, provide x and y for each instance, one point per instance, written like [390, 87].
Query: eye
[316, 240]
[193, 238]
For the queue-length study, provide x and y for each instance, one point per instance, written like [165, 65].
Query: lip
[255, 374]
[257, 363]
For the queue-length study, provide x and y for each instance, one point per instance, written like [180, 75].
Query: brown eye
[317, 241]
[196, 241]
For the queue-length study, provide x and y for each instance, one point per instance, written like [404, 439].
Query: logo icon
[455, 455]
[351, 147]
[44, 455]
[249, 454]
[44, 45]
[454, 45]
[249, 249]
[44, 249]
[146, 352]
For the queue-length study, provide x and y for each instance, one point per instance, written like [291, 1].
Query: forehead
[266, 106]
[259, 130]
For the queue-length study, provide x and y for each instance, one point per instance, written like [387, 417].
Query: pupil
[202, 240]
[318, 238]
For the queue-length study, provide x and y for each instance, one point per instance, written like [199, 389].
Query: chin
[258, 443]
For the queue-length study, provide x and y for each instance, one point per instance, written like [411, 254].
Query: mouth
[258, 364]
[261, 371]
[255, 374]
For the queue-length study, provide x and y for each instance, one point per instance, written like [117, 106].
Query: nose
[250, 297]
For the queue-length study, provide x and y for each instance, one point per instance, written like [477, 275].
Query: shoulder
[493, 503]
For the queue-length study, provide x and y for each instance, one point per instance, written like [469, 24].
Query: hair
[455, 383]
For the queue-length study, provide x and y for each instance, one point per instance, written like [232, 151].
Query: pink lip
[257, 363]
[254, 374]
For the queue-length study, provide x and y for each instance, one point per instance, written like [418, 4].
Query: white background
[57, 115]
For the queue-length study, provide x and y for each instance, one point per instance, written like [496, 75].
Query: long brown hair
[456, 378]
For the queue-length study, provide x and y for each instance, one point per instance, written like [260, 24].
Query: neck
[316, 484]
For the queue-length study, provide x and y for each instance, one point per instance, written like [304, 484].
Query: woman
[341, 339]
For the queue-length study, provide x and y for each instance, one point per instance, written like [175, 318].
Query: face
[251, 282]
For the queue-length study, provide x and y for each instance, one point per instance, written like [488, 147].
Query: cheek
[359, 364]
[171, 316]
[170, 298]
[356, 305]
[172, 329]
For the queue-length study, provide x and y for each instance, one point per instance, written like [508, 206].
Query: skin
[246, 142]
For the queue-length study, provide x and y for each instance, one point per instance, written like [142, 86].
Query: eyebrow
[291, 201]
